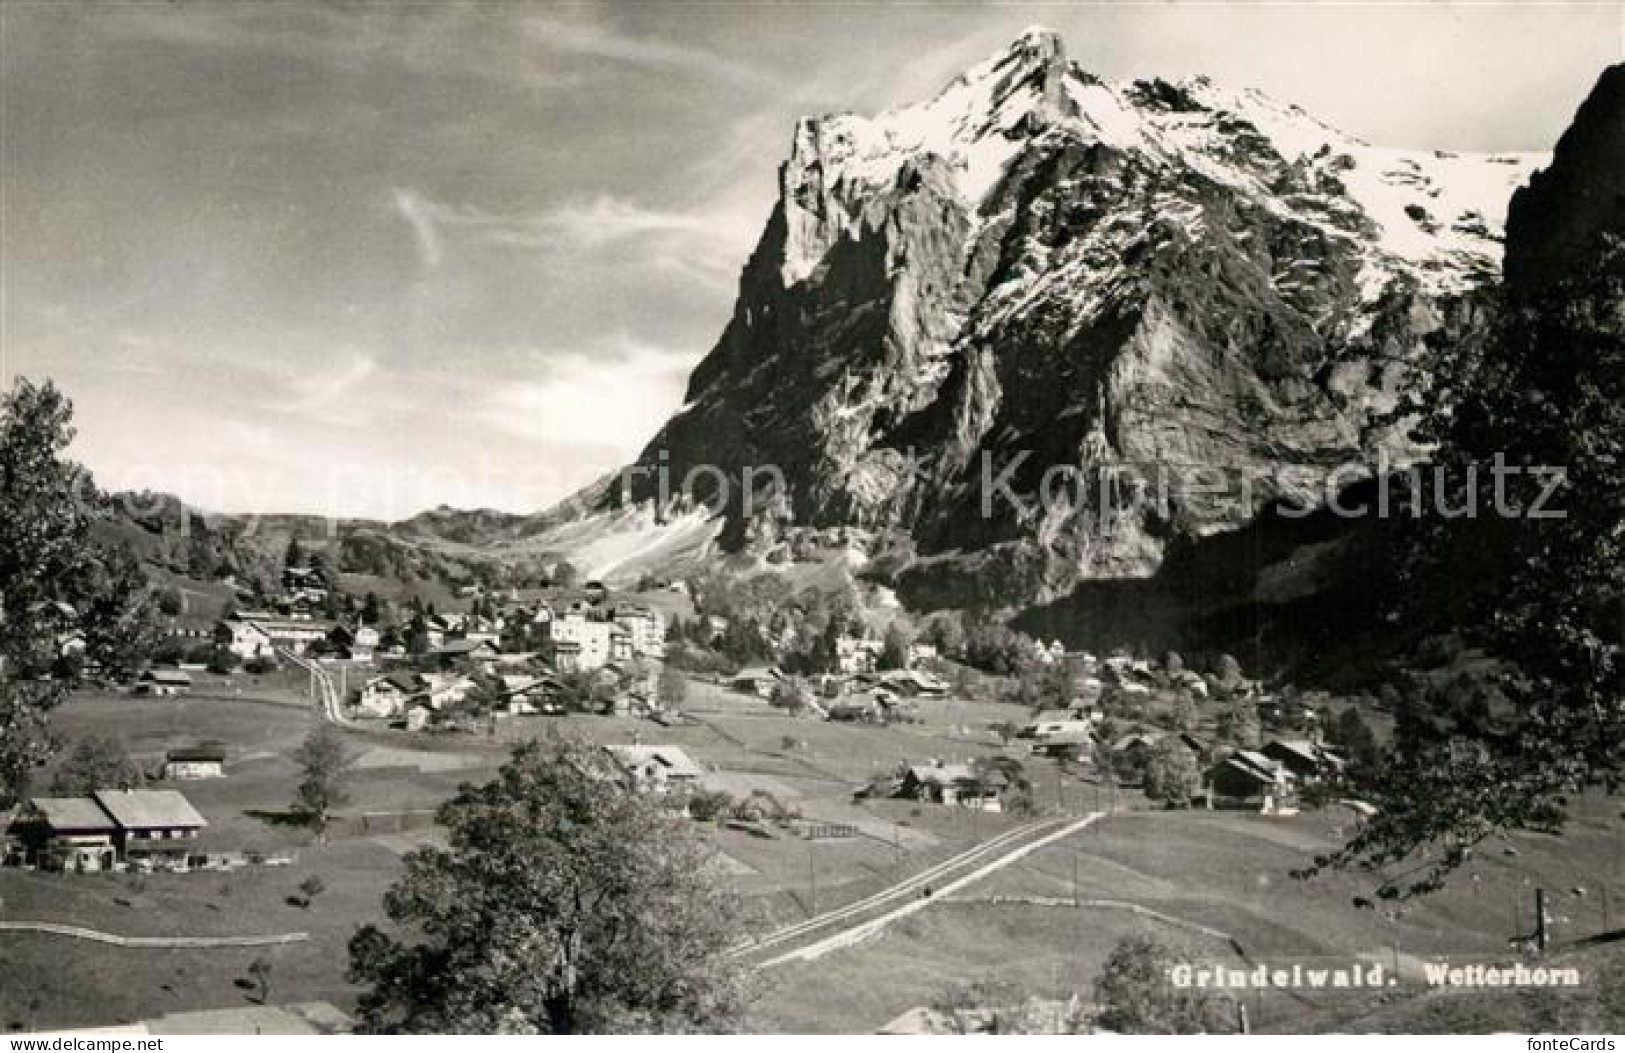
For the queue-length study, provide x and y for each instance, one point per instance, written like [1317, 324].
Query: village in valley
[842, 760]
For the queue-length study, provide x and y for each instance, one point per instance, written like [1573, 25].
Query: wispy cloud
[708, 246]
[595, 40]
[324, 394]
[471, 41]
[602, 221]
[421, 215]
[608, 396]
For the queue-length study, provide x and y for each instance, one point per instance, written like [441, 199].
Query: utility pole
[812, 881]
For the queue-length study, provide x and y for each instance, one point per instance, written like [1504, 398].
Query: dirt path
[160, 942]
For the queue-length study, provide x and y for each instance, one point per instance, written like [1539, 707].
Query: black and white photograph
[729, 517]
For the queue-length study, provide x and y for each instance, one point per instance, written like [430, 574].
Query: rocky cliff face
[1554, 224]
[1133, 287]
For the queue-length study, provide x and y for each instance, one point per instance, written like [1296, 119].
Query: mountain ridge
[1108, 276]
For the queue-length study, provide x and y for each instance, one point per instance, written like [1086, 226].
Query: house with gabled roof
[1050, 724]
[154, 825]
[446, 689]
[256, 634]
[956, 784]
[244, 638]
[756, 680]
[1307, 761]
[68, 833]
[388, 696]
[1248, 775]
[195, 762]
[161, 680]
[463, 647]
[354, 643]
[525, 695]
[656, 769]
[914, 683]
[855, 710]
[98, 832]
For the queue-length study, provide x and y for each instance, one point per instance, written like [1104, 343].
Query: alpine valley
[1173, 286]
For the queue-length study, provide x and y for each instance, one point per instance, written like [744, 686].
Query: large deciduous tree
[673, 687]
[53, 580]
[1171, 773]
[325, 765]
[895, 648]
[564, 904]
[1137, 994]
[96, 763]
[119, 615]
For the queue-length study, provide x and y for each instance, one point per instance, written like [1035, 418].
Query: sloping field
[617, 547]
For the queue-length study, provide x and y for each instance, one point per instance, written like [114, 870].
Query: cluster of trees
[95, 763]
[1352, 734]
[1173, 773]
[1134, 995]
[188, 542]
[764, 620]
[213, 655]
[1237, 722]
[758, 806]
[792, 694]
[996, 648]
[994, 1005]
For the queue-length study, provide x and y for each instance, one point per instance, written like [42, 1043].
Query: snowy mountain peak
[975, 125]
[1432, 215]
[1038, 39]
[1036, 51]
[1034, 261]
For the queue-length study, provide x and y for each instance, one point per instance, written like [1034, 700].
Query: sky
[365, 259]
